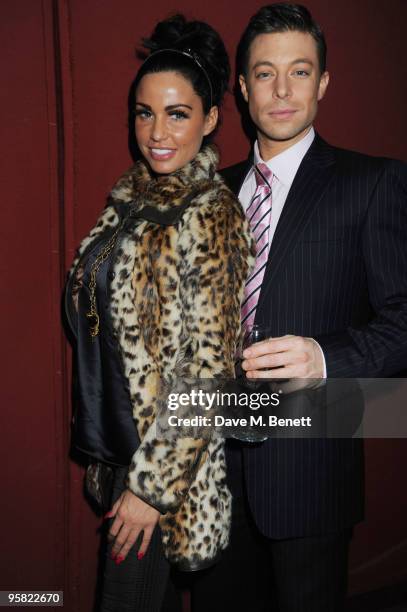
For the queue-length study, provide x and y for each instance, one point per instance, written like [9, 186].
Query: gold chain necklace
[92, 315]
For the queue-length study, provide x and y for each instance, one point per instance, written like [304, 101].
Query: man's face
[283, 85]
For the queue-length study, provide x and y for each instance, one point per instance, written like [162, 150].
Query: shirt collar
[285, 164]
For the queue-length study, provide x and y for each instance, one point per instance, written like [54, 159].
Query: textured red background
[66, 67]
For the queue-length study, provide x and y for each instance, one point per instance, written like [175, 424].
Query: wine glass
[254, 333]
[250, 335]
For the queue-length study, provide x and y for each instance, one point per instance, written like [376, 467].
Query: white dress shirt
[284, 167]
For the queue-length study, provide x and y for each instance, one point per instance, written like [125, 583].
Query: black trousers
[257, 573]
[138, 586]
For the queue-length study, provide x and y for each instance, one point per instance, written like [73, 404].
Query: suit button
[111, 275]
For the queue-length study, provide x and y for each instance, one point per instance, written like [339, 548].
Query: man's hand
[284, 357]
[132, 516]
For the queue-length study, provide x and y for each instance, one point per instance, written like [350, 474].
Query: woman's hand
[132, 515]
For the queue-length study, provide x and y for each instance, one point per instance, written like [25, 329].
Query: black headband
[188, 53]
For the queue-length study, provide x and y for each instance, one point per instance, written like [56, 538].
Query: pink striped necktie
[259, 215]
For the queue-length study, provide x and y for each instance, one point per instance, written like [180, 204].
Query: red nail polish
[107, 515]
[119, 559]
[113, 556]
[140, 556]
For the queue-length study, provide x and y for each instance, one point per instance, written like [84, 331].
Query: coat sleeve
[378, 349]
[217, 254]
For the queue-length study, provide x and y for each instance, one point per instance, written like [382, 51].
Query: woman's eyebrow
[167, 108]
[172, 106]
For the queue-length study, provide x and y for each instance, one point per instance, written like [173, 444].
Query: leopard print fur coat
[175, 308]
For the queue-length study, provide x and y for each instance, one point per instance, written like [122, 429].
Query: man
[331, 283]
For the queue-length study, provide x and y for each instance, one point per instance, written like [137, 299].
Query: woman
[154, 296]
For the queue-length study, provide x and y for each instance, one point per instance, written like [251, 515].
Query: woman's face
[170, 122]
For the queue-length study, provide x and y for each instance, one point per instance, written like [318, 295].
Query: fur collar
[141, 187]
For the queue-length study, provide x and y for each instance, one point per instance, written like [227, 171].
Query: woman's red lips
[161, 153]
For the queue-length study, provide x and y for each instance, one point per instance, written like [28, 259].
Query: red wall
[33, 407]
[66, 67]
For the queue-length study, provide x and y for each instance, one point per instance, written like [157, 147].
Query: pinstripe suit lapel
[313, 176]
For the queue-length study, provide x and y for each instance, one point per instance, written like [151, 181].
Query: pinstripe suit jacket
[337, 272]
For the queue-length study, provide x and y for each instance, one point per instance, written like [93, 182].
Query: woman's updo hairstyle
[194, 50]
